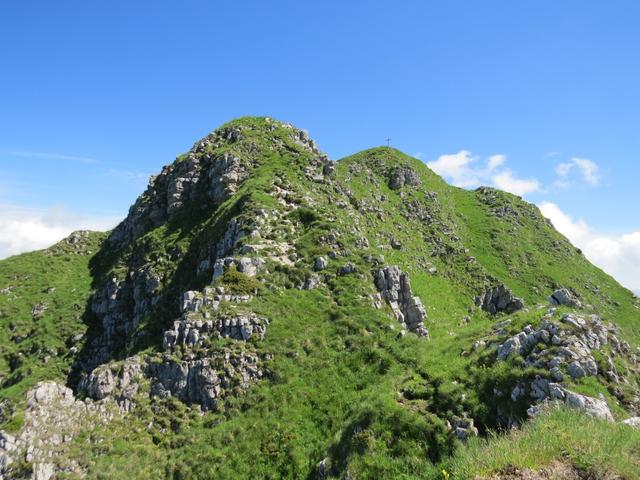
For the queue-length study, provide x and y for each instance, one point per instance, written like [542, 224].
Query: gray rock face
[554, 346]
[499, 299]
[120, 305]
[564, 346]
[402, 176]
[247, 265]
[210, 299]
[100, 383]
[176, 185]
[191, 330]
[212, 171]
[591, 406]
[203, 378]
[180, 186]
[236, 230]
[205, 381]
[117, 380]
[395, 287]
[199, 374]
[227, 177]
[51, 420]
[565, 298]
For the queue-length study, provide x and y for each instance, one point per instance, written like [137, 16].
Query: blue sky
[96, 96]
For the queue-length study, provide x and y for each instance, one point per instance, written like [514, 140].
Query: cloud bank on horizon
[618, 255]
[24, 229]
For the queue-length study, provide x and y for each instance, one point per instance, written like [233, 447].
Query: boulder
[348, 268]
[511, 345]
[576, 371]
[313, 281]
[499, 299]
[320, 264]
[632, 422]
[39, 309]
[591, 406]
[564, 297]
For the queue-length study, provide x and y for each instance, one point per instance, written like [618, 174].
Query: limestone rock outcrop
[192, 330]
[205, 381]
[395, 288]
[566, 349]
[402, 176]
[499, 299]
[52, 419]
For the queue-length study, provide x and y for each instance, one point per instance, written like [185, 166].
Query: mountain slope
[42, 298]
[264, 312]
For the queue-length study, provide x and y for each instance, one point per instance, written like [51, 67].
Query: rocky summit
[264, 311]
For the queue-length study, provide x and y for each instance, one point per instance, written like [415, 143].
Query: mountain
[265, 312]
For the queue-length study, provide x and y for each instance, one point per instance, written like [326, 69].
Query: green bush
[237, 283]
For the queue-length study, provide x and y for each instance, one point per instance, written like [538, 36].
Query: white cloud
[24, 229]
[508, 182]
[563, 169]
[495, 161]
[618, 255]
[467, 171]
[588, 169]
[457, 167]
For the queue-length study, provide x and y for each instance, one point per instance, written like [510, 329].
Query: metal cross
[388, 141]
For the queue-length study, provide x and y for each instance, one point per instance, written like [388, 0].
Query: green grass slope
[343, 383]
[41, 346]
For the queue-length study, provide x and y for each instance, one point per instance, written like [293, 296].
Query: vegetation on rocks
[265, 312]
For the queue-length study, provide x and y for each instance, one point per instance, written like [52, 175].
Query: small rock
[632, 422]
[348, 268]
[320, 264]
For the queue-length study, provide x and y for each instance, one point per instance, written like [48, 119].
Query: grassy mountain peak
[265, 312]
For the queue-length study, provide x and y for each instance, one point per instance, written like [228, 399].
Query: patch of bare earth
[554, 471]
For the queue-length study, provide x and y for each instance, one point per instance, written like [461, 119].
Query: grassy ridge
[38, 347]
[342, 382]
